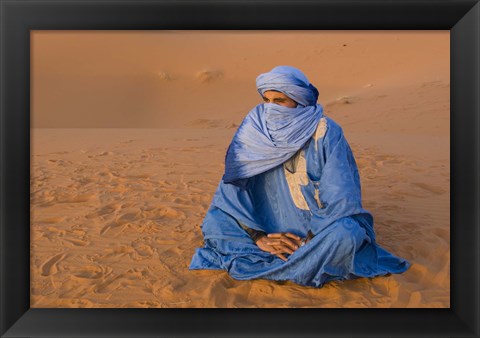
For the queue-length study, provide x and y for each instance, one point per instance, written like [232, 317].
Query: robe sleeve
[338, 187]
[238, 202]
[255, 235]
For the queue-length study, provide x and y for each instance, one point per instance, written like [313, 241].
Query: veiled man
[289, 204]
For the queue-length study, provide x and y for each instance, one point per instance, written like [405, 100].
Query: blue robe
[318, 189]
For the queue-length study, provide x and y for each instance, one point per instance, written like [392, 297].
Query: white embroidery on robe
[320, 132]
[299, 177]
[296, 180]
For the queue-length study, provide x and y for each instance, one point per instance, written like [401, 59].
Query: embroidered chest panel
[296, 174]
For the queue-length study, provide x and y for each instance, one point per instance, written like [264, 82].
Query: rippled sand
[116, 213]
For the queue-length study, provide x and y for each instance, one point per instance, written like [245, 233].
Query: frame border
[18, 17]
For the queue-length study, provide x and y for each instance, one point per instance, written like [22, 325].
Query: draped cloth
[267, 137]
[271, 134]
[314, 187]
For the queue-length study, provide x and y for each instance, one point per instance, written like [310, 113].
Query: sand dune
[116, 213]
[163, 79]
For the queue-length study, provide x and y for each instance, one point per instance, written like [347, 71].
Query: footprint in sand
[108, 285]
[142, 250]
[118, 228]
[51, 266]
[263, 289]
[77, 241]
[167, 212]
[122, 280]
[106, 210]
[115, 252]
[90, 272]
[136, 274]
[129, 216]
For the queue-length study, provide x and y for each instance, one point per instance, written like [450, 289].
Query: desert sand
[127, 147]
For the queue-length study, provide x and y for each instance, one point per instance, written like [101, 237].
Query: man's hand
[279, 244]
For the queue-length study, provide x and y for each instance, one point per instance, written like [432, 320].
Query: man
[289, 204]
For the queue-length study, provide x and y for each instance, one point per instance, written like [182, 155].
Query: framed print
[114, 131]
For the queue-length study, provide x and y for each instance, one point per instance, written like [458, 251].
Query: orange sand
[115, 213]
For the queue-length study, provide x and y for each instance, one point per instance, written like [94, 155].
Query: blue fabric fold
[268, 136]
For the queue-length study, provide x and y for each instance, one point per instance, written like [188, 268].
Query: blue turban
[289, 81]
[271, 134]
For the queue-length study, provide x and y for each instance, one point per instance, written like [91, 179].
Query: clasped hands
[280, 244]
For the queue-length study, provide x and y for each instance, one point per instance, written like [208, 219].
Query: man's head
[291, 83]
[273, 96]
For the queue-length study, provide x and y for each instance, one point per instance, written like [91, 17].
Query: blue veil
[271, 134]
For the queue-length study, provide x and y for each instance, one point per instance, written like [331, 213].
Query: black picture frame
[18, 17]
